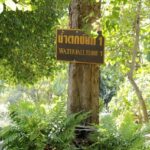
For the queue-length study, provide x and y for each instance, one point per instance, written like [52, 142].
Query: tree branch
[133, 64]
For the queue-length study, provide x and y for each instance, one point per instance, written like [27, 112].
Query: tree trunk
[133, 64]
[83, 88]
[140, 98]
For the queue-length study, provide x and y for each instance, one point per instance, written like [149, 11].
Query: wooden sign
[76, 46]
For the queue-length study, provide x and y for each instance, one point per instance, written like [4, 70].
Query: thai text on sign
[76, 46]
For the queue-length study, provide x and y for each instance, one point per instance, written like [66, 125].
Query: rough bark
[133, 64]
[83, 88]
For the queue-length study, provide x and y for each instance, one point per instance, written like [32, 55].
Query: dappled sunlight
[48, 104]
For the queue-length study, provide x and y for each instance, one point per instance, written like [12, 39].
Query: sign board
[76, 46]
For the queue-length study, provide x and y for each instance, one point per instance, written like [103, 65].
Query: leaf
[115, 12]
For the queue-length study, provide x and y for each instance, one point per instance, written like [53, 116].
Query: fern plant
[111, 136]
[146, 133]
[39, 127]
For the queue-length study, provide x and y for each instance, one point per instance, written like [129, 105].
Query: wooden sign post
[76, 46]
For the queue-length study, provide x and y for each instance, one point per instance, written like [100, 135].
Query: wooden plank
[76, 46]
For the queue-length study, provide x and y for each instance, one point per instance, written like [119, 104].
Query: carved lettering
[66, 39]
[76, 40]
[82, 40]
[70, 39]
[93, 41]
[87, 40]
[60, 39]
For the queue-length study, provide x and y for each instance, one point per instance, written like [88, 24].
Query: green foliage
[37, 126]
[111, 78]
[146, 132]
[27, 49]
[113, 136]
[127, 126]
[26, 128]
[126, 100]
[27, 53]
[118, 24]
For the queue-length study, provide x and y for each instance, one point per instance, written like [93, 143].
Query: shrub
[113, 136]
[36, 126]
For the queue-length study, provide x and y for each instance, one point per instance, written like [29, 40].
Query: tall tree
[127, 40]
[83, 89]
[133, 63]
